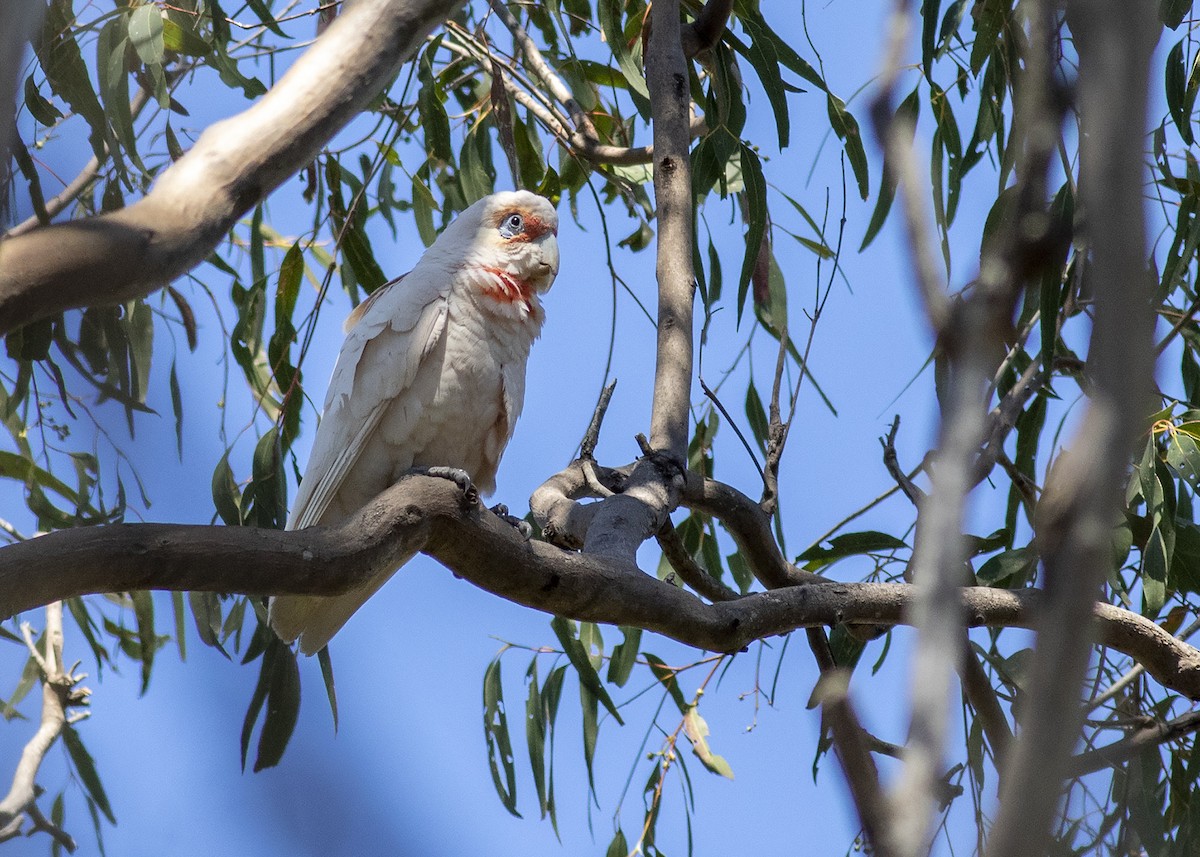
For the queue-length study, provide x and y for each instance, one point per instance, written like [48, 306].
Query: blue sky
[407, 772]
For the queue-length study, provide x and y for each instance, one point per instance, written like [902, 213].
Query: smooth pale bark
[236, 163]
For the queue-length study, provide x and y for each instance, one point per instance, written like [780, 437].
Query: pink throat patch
[503, 287]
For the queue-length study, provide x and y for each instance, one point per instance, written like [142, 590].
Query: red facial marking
[535, 228]
[503, 287]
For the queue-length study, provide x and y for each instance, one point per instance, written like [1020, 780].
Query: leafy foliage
[468, 116]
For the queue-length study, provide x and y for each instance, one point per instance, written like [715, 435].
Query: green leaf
[583, 666]
[39, 107]
[1172, 12]
[58, 53]
[1156, 565]
[206, 610]
[590, 710]
[143, 611]
[263, 12]
[269, 482]
[756, 415]
[756, 219]
[845, 126]
[327, 677]
[434, 122]
[183, 39]
[907, 112]
[180, 627]
[990, 17]
[624, 656]
[226, 497]
[177, 409]
[765, 60]
[146, 33]
[535, 735]
[283, 704]
[113, 72]
[618, 847]
[666, 677]
[609, 12]
[85, 766]
[1176, 92]
[851, 544]
[499, 745]
[257, 698]
[1009, 568]
[929, 21]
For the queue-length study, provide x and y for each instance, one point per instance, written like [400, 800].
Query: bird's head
[511, 238]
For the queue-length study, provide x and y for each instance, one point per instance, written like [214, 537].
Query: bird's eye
[513, 224]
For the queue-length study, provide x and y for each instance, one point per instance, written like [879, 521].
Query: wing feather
[401, 327]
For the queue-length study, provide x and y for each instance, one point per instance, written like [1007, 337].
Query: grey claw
[459, 477]
[522, 526]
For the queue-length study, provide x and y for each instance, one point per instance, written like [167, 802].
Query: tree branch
[704, 32]
[667, 79]
[1115, 41]
[427, 514]
[18, 18]
[237, 162]
[850, 742]
[1127, 748]
[58, 693]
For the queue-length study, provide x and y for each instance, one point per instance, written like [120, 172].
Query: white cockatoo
[432, 374]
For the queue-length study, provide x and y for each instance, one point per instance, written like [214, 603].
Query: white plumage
[432, 373]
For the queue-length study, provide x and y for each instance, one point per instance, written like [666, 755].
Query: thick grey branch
[424, 513]
[1115, 41]
[18, 18]
[704, 32]
[670, 99]
[236, 163]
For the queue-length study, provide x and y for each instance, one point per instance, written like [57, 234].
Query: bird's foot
[523, 527]
[459, 477]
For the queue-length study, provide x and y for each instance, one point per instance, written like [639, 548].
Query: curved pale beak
[546, 266]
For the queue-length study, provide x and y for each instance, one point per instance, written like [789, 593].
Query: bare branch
[895, 137]
[891, 461]
[1115, 42]
[667, 79]
[750, 527]
[128, 253]
[850, 742]
[18, 18]
[591, 437]
[59, 692]
[704, 32]
[982, 695]
[1127, 748]
[424, 513]
[538, 65]
[701, 582]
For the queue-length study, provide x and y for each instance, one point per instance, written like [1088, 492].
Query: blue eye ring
[512, 224]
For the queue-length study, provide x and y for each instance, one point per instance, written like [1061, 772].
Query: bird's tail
[314, 619]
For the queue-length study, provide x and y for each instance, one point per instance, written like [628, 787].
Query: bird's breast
[461, 409]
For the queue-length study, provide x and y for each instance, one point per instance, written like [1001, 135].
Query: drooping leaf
[499, 745]
[85, 766]
[282, 704]
[583, 666]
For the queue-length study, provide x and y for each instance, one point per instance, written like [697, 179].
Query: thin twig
[591, 437]
[689, 570]
[892, 462]
[1127, 748]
